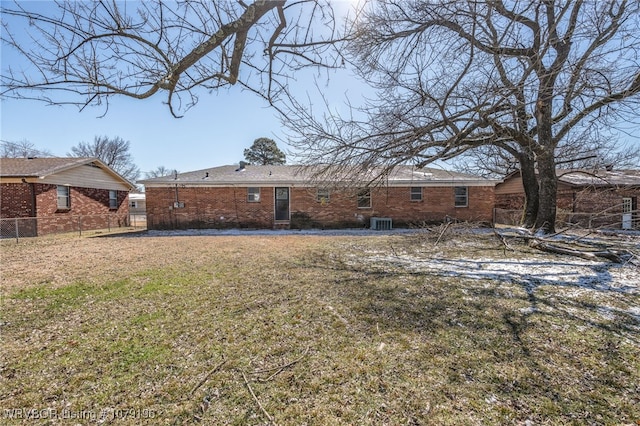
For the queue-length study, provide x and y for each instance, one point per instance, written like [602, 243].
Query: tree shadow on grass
[578, 290]
[561, 330]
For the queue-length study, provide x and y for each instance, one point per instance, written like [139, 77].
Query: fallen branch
[503, 240]
[442, 233]
[589, 255]
[255, 398]
[206, 377]
[546, 244]
[280, 368]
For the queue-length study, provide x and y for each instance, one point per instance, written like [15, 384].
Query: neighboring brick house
[62, 194]
[283, 197]
[591, 198]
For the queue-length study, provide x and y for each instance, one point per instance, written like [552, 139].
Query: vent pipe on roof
[242, 167]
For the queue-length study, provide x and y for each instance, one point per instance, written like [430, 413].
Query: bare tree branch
[530, 78]
[87, 52]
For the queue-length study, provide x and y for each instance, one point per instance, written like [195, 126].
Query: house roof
[591, 177]
[41, 168]
[600, 177]
[38, 167]
[296, 175]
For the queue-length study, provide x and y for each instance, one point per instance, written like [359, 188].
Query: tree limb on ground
[586, 250]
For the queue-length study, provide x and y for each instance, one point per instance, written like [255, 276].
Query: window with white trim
[113, 199]
[364, 198]
[253, 195]
[64, 197]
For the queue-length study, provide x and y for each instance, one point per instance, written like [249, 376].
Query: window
[322, 196]
[133, 204]
[113, 199]
[253, 195]
[461, 196]
[416, 193]
[64, 197]
[364, 199]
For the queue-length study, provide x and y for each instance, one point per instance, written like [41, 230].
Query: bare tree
[589, 152]
[159, 171]
[524, 77]
[22, 149]
[85, 52]
[113, 152]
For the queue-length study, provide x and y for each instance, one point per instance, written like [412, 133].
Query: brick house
[283, 196]
[590, 198]
[61, 194]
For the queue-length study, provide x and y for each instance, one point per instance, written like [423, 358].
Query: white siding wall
[86, 176]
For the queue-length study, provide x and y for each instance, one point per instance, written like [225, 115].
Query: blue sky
[214, 132]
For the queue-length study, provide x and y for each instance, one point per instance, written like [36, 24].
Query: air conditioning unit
[381, 223]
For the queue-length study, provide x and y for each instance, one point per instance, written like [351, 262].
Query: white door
[627, 215]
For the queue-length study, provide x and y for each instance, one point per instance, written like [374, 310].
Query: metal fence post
[17, 230]
[80, 226]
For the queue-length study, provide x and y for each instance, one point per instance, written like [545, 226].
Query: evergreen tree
[264, 151]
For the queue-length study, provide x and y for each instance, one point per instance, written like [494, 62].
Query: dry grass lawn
[314, 330]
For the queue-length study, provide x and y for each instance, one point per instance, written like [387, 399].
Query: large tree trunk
[545, 157]
[531, 193]
[548, 189]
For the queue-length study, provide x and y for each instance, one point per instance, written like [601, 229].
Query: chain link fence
[26, 227]
[138, 220]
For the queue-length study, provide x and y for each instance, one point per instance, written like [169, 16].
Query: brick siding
[16, 200]
[88, 205]
[223, 207]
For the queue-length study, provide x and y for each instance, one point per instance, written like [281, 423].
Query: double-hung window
[253, 195]
[364, 198]
[461, 196]
[416, 193]
[64, 197]
[113, 199]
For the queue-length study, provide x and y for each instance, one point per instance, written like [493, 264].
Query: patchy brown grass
[315, 330]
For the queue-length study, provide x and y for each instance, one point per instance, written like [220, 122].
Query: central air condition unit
[381, 223]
